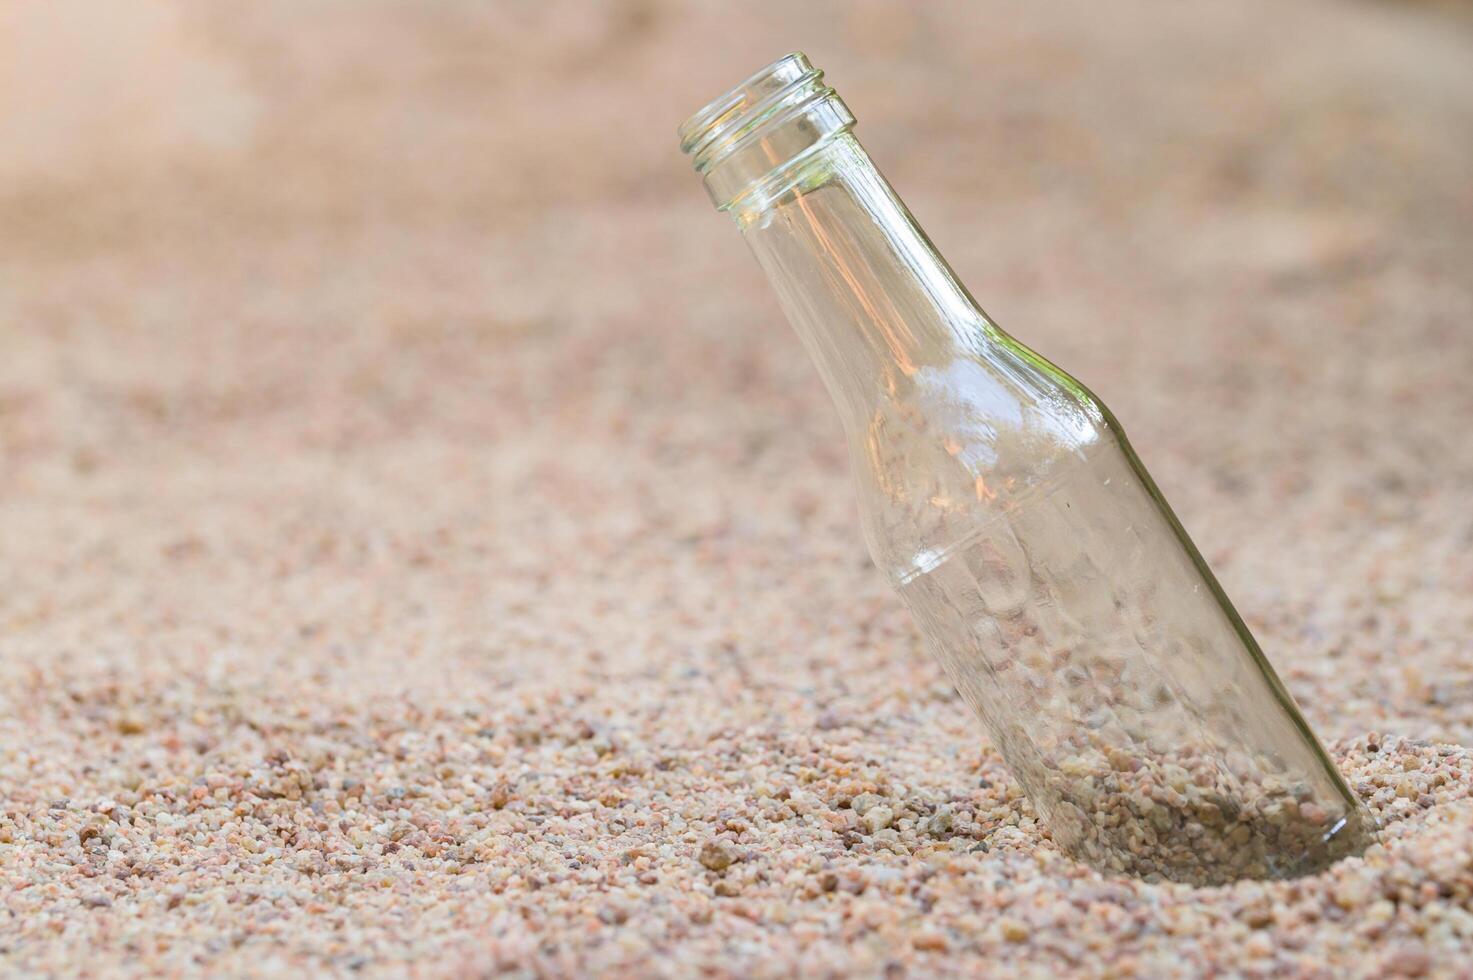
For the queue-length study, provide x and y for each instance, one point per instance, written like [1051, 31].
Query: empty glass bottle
[1001, 498]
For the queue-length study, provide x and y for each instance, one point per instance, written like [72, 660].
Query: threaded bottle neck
[761, 130]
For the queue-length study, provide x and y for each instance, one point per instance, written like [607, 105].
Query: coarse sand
[424, 548]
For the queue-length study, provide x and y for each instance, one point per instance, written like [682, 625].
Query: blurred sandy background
[378, 391]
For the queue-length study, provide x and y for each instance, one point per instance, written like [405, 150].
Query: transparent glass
[1049, 577]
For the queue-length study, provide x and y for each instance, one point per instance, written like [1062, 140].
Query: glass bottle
[1001, 498]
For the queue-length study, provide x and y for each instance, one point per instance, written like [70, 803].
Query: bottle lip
[706, 123]
[762, 125]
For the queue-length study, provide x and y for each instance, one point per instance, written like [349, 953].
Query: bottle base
[1159, 822]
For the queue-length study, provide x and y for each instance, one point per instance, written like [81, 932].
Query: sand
[424, 548]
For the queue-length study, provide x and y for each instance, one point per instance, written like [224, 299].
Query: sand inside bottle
[1080, 630]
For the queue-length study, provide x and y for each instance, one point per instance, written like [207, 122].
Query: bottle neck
[864, 288]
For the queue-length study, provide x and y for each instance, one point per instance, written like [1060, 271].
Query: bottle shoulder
[963, 439]
[997, 412]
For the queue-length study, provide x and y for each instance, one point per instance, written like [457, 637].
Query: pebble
[1352, 893]
[1014, 930]
[878, 818]
[717, 855]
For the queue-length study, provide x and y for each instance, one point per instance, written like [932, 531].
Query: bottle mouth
[762, 127]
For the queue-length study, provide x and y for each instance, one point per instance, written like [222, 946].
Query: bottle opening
[762, 127]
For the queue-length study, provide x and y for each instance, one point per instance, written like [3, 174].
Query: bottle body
[1147, 732]
[1047, 574]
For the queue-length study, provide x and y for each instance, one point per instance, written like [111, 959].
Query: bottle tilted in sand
[1049, 577]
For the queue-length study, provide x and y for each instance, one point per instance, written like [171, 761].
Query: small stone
[717, 855]
[828, 721]
[1260, 915]
[877, 818]
[1259, 945]
[1209, 814]
[1352, 893]
[727, 888]
[865, 802]
[1014, 930]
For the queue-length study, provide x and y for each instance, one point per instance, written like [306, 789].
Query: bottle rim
[761, 126]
